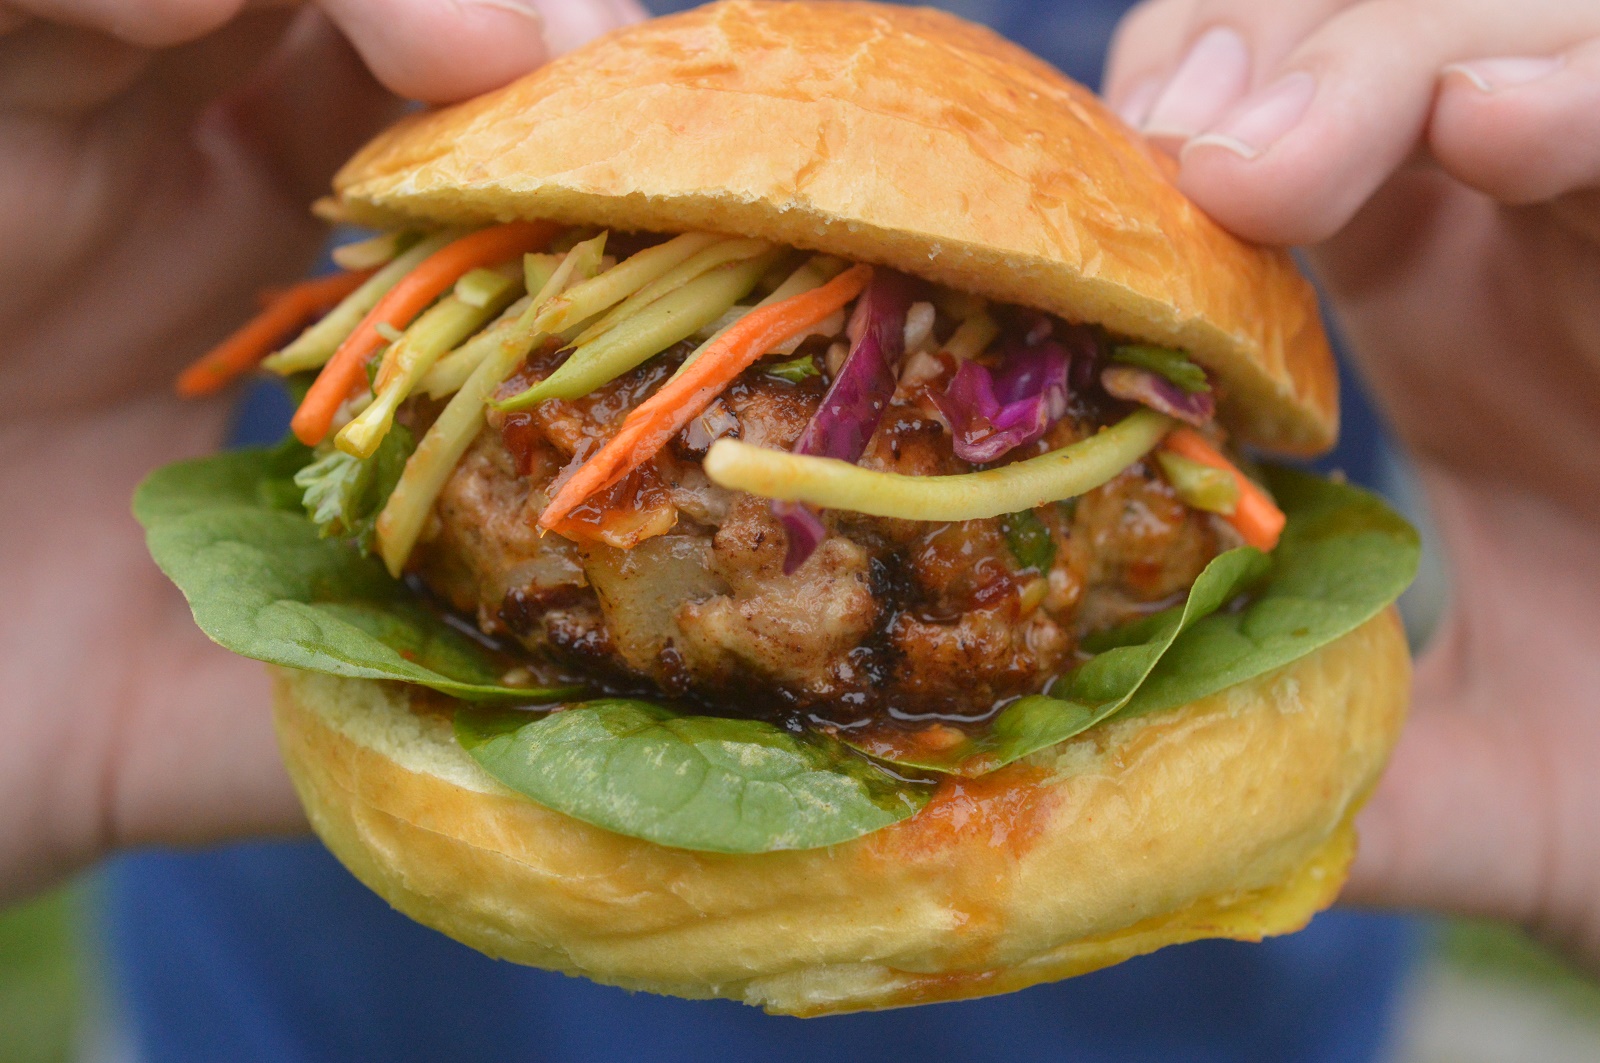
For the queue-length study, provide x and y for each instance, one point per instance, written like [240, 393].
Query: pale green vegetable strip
[669, 319]
[498, 288]
[705, 261]
[834, 484]
[972, 337]
[435, 458]
[313, 347]
[480, 287]
[813, 273]
[537, 269]
[444, 325]
[599, 294]
[1199, 485]
[375, 250]
[452, 370]
[817, 271]
[578, 265]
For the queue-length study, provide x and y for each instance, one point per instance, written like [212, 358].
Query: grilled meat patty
[671, 579]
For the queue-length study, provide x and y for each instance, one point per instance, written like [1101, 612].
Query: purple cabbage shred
[1133, 384]
[856, 400]
[805, 529]
[992, 412]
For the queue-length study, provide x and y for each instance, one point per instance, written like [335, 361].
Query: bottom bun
[1229, 817]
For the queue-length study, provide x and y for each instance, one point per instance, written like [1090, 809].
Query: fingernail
[1214, 74]
[1492, 75]
[524, 8]
[1136, 104]
[1261, 120]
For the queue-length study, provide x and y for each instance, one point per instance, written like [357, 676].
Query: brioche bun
[911, 139]
[898, 136]
[1229, 817]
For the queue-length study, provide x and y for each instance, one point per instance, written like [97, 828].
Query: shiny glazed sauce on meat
[901, 631]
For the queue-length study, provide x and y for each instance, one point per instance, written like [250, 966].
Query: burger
[774, 512]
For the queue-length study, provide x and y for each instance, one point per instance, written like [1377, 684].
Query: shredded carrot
[283, 311]
[1256, 516]
[433, 276]
[656, 420]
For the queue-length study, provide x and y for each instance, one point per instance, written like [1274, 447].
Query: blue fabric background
[272, 952]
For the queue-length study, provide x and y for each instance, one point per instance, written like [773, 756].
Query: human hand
[156, 160]
[1442, 159]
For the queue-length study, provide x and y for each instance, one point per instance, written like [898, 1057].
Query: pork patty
[886, 616]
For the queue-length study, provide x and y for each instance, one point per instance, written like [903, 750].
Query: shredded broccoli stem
[1200, 485]
[702, 262]
[435, 458]
[604, 291]
[1167, 362]
[444, 325]
[834, 484]
[652, 330]
[314, 346]
[374, 251]
[814, 273]
[480, 287]
[452, 370]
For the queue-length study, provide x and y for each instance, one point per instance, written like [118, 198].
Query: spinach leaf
[230, 532]
[344, 494]
[1342, 558]
[1091, 694]
[256, 478]
[691, 782]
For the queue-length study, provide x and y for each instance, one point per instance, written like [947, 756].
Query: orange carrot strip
[1256, 517]
[432, 277]
[660, 417]
[285, 311]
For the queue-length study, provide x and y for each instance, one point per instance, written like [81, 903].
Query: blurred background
[1469, 992]
[1479, 993]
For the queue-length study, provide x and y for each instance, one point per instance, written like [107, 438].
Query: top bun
[898, 136]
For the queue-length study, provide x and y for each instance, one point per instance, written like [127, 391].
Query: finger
[1521, 129]
[189, 77]
[1145, 47]
[1453, 783]
[1292, 162]
[198, 761]
[312, 104]
[147, 23]
[1486, 807]
[34, 57]
[11, 19]
[440, 52]
[569, 24]
[1230, 44]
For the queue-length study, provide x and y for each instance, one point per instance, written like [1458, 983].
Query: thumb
[438, 53]
[1456, 823]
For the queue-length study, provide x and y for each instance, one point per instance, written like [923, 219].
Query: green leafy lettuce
[229, 530]
[692, 782]
[344, 494]
[1343, 557]
[264, 581]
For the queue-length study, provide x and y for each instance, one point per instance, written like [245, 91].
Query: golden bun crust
[899, 136]
[1228, 817]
